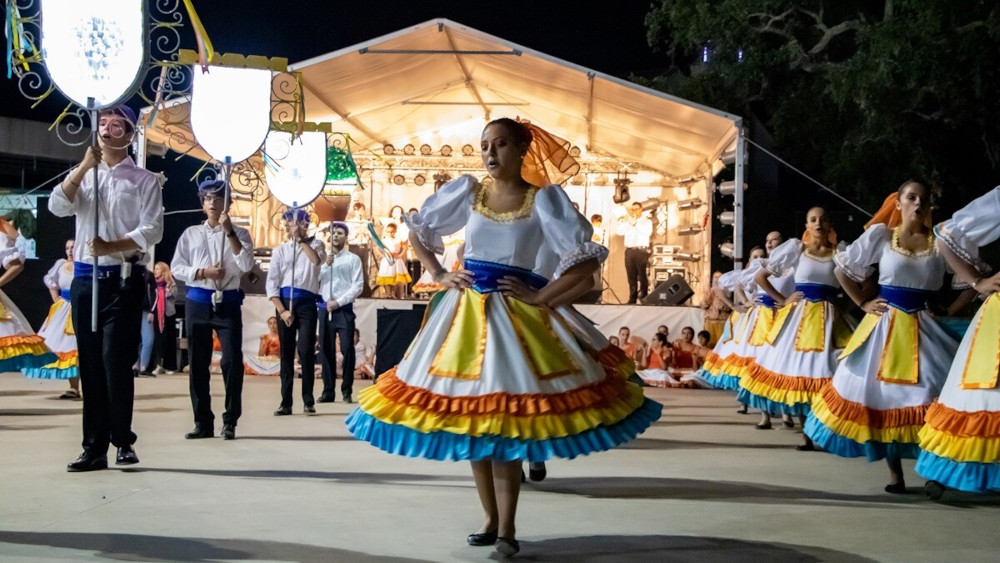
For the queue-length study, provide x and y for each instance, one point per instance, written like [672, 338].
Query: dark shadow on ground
[300, 438]
[658, 444]
[343, 477]
[27, 427]
[157, 396]
[136, 547]
[708, 491]
[625, 549]
[25, 393]
[156, 410]
[41, 412]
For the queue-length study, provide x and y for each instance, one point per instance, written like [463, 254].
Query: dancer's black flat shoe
[805, 447]
[508, 547]
[536, 471]
[485, 538]
[788, 423]
[742, 411]
[934, 490]
[896, 488]
[763, 426]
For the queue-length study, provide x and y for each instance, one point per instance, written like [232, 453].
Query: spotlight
[693, 203]
[467, 150]
[419, 179]
[446, 150]
[728, 157]
[726, 188]
[689, 230]
[726, 249]
[398, 179]
[686, 257]
[651, 204]
[409, 149]
[425, 150]
[727, 217]
[388, 150]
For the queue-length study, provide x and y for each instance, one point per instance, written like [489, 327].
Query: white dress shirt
[636, 231]
[201, 246]
[306, 274]
[341, 281]
[131, 206]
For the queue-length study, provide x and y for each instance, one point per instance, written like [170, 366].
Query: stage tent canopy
[412, 84]
[437, 83]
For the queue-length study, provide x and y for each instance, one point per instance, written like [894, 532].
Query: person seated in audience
[364, 366]
[614, 341]
[267, 361]
[684, 349]
[654, 370]
[704, 339]
[664, 330]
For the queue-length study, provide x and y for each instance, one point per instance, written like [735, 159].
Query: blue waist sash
[487, 274]
[766, 301]
[905, 299]
[64, 293]
[202, 295]
[816, 291]
[86, 270]
[321, 305]
[298, 294]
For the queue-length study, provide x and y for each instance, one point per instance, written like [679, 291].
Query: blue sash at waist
[298, 294]
[64, 293]
[202, 295]
[86, 270]
[766, 301]
[905, 299]
[816, 291]
[487, 274]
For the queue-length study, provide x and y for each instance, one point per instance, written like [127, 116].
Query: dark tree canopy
[860, 94]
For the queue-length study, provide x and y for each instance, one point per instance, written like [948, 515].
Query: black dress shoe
[348, 399]
[200, 432]
[485, 538]
[309, 409]
[283, 411]
[126, 456]
[536, 471]
[88, 462]
[508, 547]
[228, 431]
[326, 399]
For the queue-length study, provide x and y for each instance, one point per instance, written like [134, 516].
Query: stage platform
[642, 320]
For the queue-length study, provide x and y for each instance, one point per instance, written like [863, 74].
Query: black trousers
[227, 321]
[304, 326]
[162, 352]
[636, 262]
[106, 358]
[337, 323]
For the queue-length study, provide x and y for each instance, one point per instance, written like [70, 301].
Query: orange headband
[890, 216]
[831, 238]
[548, 160]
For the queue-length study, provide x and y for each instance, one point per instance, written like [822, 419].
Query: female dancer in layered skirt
[808, 332]
[495, 375]
[20, 347]
[711, 369]
[897, 359]
[57, 330]
[960, 440]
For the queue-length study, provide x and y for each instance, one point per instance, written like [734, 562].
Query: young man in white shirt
[636, 229]
[341, 282]
[211, 258]
[130, 204]
[293, 287]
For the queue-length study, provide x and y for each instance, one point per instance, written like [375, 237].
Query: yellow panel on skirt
[900, 362]
[765, 318]
[983, 362]
[464, 347]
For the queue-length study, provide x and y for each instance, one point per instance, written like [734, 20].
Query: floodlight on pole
[94, 53]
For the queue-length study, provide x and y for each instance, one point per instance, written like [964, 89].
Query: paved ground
[701, 485]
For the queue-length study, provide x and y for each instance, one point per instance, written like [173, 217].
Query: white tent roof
[414, 85]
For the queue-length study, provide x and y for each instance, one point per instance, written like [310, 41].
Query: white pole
[97, 215]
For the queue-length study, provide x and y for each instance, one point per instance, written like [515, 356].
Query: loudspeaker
[674, 291]
[395, 329]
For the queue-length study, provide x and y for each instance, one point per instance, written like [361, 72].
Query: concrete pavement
[701, 485]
